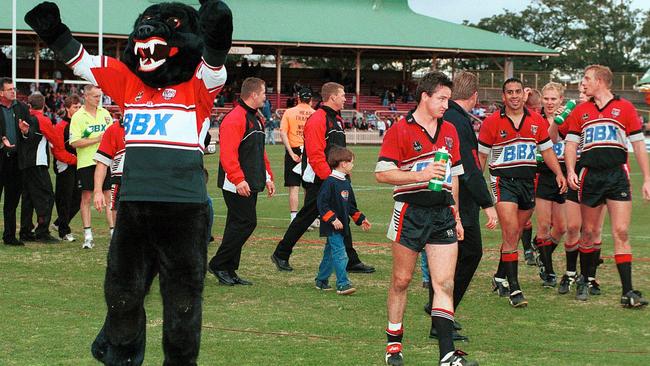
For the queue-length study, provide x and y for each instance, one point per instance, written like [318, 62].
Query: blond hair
[602, 73]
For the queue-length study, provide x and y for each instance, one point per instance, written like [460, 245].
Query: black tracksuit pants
[147, 235]
[305, 217]
[67, 197]
[11, 183]
[240, 224]
[37, 189]
[470, 251]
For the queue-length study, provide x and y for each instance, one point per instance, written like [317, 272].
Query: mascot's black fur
[170, 43]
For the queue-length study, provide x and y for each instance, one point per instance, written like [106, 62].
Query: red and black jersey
[511, 151]
[242, 155]
[323, 129]
[558, 148]
[408, 146]
[111, 151]
[603, 132]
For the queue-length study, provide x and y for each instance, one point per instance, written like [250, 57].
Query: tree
[584, 32]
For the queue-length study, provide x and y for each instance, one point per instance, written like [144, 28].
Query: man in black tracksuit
[323, 129]
[11, 112]
[473, 193]
[244, 171]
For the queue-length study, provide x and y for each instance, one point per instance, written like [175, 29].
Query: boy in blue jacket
[336, 204]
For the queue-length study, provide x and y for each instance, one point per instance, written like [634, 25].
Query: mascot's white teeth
[149, 64]
[146, 51]
[148, 46]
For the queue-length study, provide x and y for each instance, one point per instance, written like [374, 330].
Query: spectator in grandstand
[336, 204]
[67, 195]
[87, 127]
[514, 129]
[33, 159]
[603, 126]
[12, 112]
[323, 130]
[381, 127]
[269, 125]
[423, 219]
[291, 131]
[244, 171]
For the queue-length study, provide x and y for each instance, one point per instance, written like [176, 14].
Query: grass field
[52, 304]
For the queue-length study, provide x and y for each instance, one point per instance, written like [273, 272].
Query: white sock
[111, 231]
[447, 356]
[293, 215]
[570, 273]
[394, 327]
[88, 233]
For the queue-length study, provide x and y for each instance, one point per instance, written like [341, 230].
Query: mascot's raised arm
[170, 73]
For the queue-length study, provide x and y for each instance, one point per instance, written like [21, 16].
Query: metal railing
[537, 79]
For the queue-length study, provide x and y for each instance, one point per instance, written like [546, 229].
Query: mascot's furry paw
[45, 20]
[215, 20]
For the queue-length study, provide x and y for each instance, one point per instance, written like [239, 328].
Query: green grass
[52, 303]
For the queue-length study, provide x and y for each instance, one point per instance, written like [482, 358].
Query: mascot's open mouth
[152, 53]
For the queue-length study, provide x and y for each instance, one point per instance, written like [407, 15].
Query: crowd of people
[571, 171]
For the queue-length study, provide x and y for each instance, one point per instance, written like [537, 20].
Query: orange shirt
[293, 123]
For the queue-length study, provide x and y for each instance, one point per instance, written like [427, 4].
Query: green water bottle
[442, 156]
[559, 119]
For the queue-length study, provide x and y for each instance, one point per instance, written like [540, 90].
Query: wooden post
[37, 61]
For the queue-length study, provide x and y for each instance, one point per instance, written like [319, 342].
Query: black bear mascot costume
[166, 82]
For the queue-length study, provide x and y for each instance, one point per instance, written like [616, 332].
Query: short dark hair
[5, 80]
[71, 99]
[337, 154]
[432, 82]
[251, 85]
[36, 101]
[511, 80]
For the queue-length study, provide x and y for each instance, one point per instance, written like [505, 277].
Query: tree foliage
[584, 32]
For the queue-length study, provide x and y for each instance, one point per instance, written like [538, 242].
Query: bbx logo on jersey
[519, 152]
[600, 133]
[140, 123]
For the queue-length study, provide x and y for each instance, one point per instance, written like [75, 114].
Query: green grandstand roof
[373, 24]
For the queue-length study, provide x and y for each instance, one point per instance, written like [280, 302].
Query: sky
[473, 10]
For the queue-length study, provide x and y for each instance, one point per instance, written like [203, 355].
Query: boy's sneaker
[594, 288]
[633, 299]
[323, 285]
[346, 290]
[529, 256]
[457, 359]
[517, 299]
[565, 284]
[582, 289]
[314, 225]
[394, 355]
[501, 287]
[88, 243]
[68, 237]
[550, 281]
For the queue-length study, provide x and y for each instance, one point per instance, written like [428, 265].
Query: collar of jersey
[502, 112]
[337, 174]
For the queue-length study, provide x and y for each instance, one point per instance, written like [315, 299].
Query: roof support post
[118, 45]
[508, 68]
[278, 76]
[358, 80]
[37, 61]
[434, 62]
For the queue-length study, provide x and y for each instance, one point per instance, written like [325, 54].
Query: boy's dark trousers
[149, 234]
[241, 221]
[305, 217]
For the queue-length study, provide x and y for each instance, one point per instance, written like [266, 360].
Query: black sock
[586, 261]
[594, 265]
[624, 266]
[394, 340]
[511, 265]
[430, 294]
[526, 237]
[501, 270]
[443, 321]
[571, 252]
[545, 248]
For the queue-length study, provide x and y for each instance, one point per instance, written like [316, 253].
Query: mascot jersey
[164, 128]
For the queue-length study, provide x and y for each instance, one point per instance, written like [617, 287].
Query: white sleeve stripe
[457, 170]
[636, 137]
[76, 58]
[83, 65]
[483, 149]
[383, 166]
[572, 137]
[213, 78]
[545, 146]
